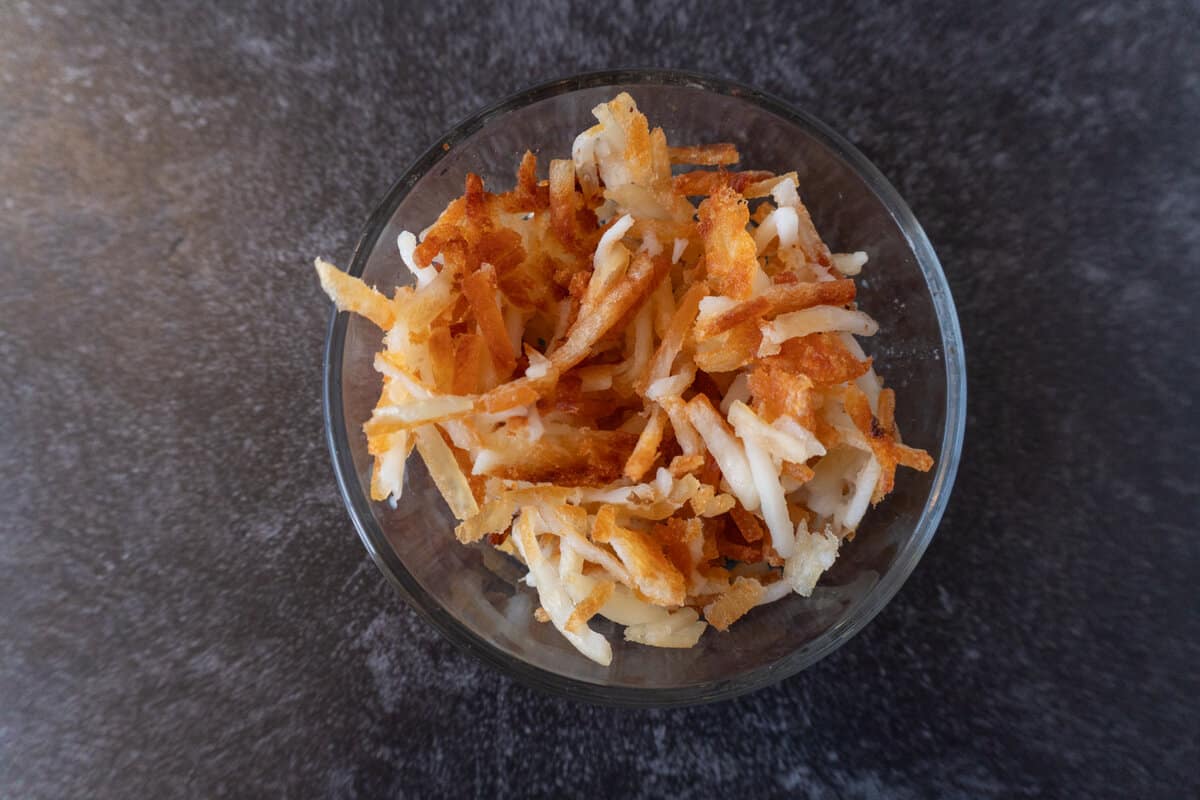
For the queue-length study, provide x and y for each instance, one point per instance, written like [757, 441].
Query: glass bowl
[470, 593]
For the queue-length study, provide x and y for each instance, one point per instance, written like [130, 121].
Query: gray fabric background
[184, 608]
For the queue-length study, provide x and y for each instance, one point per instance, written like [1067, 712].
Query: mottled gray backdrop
[184, 607]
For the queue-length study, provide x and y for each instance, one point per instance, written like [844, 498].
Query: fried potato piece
[589, 407]
[480, 289]
[689, 440]
[849, 264]
[718, 154]
[750, 311]
[683, 543]
[592, 458]
[817, 319]
[493, 518]
[439, 298]
[596, 318]
[815, 553]
[415, 413]
[521, 392]
[771, 495]
[653, 573]
[660, 166]
[800, 473]
[442, 232]
[785, 440]
[495, 515]
[681, 629]
[588, 607]
[446, 473]
[733, 604]
[724, 447]
[528, 283]
[504, 250]
[706, 502]
[350, 294]
[528, 195]
[807, 239]
[760, 213]
[567, 209]
[477, 219]
[468, 234]
[729, 351]
[645, 453]
[682, 465]
[387, 473]
[593, 323]
[729, 253]
[888, 452]
[631, 132]
[468, 358]
[910, 457]
[553, 595]
[778, 391]
[779, 299]
[766, 186]
[821, 357]
[673, 338]
[731, 547]
[747, 523]
[441, 358]
[699, 183]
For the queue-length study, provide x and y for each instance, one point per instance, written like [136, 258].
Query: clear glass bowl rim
[381, 552]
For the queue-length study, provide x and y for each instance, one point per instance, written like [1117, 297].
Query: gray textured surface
[185, 608]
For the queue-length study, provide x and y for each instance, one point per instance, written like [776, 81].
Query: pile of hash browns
[641, 382]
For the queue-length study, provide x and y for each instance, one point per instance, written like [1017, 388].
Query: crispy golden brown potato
[733, 603]
[480, 290]
[721, 154]
[700, 183]
[351, 294]
[729, 252]
[590, 605]
[780, 299]
[821, 357]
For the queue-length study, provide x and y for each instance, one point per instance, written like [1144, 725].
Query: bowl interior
[472, 592]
